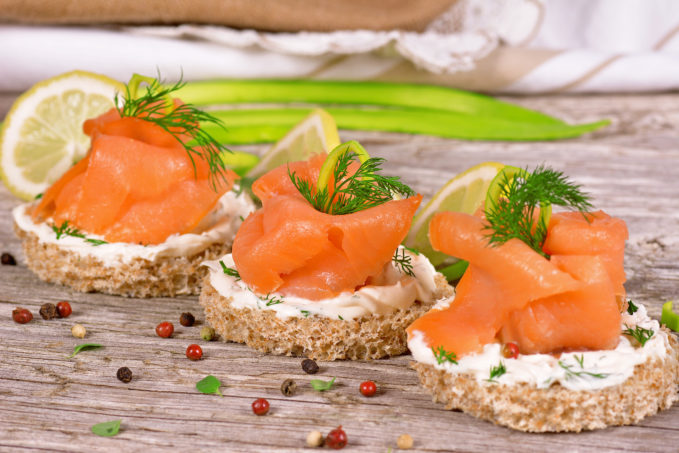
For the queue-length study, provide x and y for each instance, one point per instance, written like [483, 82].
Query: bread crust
[163, 277]
[652, 387]
[317, 337]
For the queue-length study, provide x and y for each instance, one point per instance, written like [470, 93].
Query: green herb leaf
[84, 347]
[631, 307]
[39, 196]
[181, 121]
[512, 216]
[580, 359]
[209, 384]
[639, 333]
[96, 242]
[230, 271]
[497, 371]
[66, 230]
[571, 374]
[321, 386]
[106, 429]
[306, 313]
[340, 317]
[411, 250]
[442, 356]
[403, 262]
[364, 189]
[271, 300]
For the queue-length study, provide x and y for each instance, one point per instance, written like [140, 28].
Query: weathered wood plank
[49, 402]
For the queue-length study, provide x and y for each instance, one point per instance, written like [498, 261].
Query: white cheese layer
[587, 370]
[220, 225]
[391, 291]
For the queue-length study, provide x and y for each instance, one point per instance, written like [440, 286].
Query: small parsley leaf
[106, 429]
[320, 385]
[209, 385]
[84, 347]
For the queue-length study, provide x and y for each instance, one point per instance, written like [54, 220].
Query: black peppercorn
[8, 259]
[288, 387]
[48, 311]
[309, 366]
[124, 374]
[187, 319]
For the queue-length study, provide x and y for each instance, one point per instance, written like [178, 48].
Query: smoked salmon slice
[291, 248]
[512, 293]
[137, 184]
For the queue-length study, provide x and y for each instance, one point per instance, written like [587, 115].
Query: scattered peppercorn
[404, 442]
[164, 329]
[368, 388]
[510, 350]
[309, 366]
[64, 309]
[336, 439]
[314, 439]
[194, 352]
[187, 319]
[124, 374]
[21, 315]
[207, 333]
[48, 311]
[288, 387]
[8, 260]
[260, 406]
[78, 331]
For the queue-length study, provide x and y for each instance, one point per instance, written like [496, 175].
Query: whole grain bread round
[164, 277]
[652, 387]
[317, 337]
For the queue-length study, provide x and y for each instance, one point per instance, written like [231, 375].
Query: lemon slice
[42, 135]
[314, 134]
[466, 193]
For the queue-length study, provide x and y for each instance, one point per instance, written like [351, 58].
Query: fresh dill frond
[67, 230]
[182, 122]
[403, 262]
[513, 214]
[442, 356]
[497, 371]
[364, 189]
[580, 359]
[631, 307]
[306, 313]
[570, 373]
[641, 334]
[340, 317]
[271, 300]
[230, 271]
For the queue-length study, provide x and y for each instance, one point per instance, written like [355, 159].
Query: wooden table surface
[49, 402]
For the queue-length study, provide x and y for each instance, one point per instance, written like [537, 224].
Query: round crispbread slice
[163, 277]
[317, 337]
[652, 387]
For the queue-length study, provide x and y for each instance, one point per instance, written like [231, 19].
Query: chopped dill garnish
[352, 193]
[580, 359]
[442, 356]
[66, 230]
[39, 196]
[631, 307]
[340, 317]
[230, 271]
[403, 262]
[306, 313]
[639, 333]
[513, 214]
[181, 121]
[570, 373]
[271, 300]
[497, 371]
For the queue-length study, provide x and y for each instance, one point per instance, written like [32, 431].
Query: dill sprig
[181, 121]
[351, 193]
[497, 371]
[403, 262]
[442, 356]
[67, 230]
[230, 271]
[631, 307]
[570, 373]
[271, 300]
[641, 334]
[513, 214]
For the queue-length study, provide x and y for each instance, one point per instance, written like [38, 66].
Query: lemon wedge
[466, 193]
[314, 134]
[42, 135]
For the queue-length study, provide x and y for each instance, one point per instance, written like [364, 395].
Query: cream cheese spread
[220, 225]
[390, 291]
[587, 370]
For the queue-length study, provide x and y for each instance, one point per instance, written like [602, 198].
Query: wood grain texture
[49, 402]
